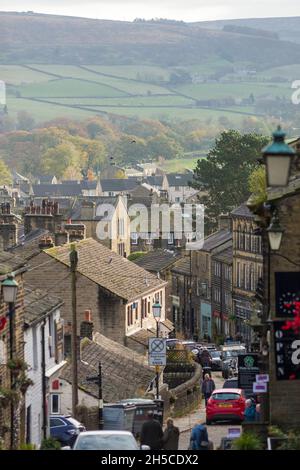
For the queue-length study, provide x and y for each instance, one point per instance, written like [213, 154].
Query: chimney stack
[61, 238]
[46, 242]
[87, 326]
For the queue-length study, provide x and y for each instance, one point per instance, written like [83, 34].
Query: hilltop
[37, 38]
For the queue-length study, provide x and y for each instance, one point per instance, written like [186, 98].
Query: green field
[180, 164]
[49, 91]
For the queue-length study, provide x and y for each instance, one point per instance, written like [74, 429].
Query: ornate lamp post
[278, 157]
[9, 291]
[156, 310]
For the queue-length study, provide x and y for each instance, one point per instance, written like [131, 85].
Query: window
[177, 199]
[148, 239]
[170, 238]
[177, 188]
[134, 238]
[217, 269]
[136, 310]
[227, 299]
[238, 274]
[55, 404]
[227, 273]
[217, 294]
[56, 422]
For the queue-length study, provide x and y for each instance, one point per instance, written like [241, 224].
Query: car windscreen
[230, 384]
[214, 353]
[225, 396]
[106, 442]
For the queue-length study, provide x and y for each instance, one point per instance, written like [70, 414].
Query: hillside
[36, 38]
[227, 73]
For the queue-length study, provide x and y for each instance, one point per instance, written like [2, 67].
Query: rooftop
[157, 260]
[111, 271]
[37, 304]
[183, 266]
[10, 262]
[124, 372]
[225, 255]
[121, 184]
[179, 179]
[242, 211]
[213, 241]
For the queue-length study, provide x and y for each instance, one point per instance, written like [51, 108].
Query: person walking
[250, 411]
[171, 436]
[152, 433]
[208, 386]
[199, 438]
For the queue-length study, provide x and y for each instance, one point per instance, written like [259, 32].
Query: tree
[5, 175]
[25, 121]
[224, 175]
[56, 160]
[163, 146]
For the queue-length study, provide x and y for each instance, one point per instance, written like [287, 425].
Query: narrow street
[215, 432]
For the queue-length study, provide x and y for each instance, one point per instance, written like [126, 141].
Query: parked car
[226, 404]
[65, 429]
[216, 361]
[106, 440]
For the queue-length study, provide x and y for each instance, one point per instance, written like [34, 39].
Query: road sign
[233, 433]
[157, 352]
[262, 378]
[260, 387]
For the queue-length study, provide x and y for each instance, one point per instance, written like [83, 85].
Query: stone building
[119, 293]
[221, 292]
[247, 268]
[9, 263]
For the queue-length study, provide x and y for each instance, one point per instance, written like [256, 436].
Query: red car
[226, 404]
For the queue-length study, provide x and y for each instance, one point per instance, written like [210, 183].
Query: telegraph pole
[100, 398]
[73, 266]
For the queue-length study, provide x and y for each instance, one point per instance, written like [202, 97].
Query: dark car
[65, 429]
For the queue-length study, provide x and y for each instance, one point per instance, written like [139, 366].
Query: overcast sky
[186, 10]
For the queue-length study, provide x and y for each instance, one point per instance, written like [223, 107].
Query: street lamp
[278, 157]
[156, 310]
[275, 232]
[9, 291]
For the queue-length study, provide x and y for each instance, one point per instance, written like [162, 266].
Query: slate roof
[179, 179]
[57, 190]
[10, 262]
[242, 211]
[89, 185]
[213, 241]
[156, 180]
[142, 336]
[122, 184]
[111, 271]
[157, 260]
[225, 255]
[30, 245]
[182, 266]
[124, 372]
[37, 303]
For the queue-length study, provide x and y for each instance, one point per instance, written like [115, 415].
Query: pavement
[187, 422]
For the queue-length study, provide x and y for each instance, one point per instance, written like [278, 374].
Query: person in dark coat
[208, 386]
[171, 436]
[152, 433]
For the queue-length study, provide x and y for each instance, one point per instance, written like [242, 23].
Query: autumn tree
[5, 174]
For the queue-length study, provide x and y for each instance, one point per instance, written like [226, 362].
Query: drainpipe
[44, 379]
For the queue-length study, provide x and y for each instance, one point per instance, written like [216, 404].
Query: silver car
[106, 440]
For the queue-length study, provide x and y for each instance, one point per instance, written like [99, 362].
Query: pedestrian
[250, 410]
[205, 358]
[257, 412]
[208, 386]
[199, 438]
[171, 436]
[152, 433]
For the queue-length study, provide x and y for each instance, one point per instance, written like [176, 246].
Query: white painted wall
[33, 357]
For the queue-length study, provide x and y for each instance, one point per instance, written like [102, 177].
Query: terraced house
[119, 293]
